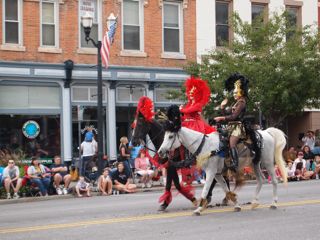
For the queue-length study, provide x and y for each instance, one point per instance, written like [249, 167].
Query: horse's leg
[274, 181]
[210, 170]
[229, 195]
[224, 183]
[259, 177]
[209, 196]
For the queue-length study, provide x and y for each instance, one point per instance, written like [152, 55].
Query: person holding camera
[309, 139]
[38, 175]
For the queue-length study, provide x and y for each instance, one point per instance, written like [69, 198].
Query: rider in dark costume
[236, 128]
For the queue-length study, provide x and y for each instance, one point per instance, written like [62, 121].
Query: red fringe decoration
[145, 107]
[166, 197]
[187, 191]
[202, 91]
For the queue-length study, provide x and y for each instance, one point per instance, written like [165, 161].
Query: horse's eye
[171, 136]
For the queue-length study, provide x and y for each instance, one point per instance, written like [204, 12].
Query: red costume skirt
[198, 125]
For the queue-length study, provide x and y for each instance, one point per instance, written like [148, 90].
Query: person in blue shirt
[134, 153]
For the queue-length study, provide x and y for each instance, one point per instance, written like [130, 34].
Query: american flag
[106, 43]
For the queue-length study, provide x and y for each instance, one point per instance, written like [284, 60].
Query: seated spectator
[1, 175]
[316, 149]
[121, 180]
[143, 169]
[299, 166]
[307, 154]
[317, 160]
[82, 187]
[60, 174]
[105, 183]
[290, 155]
[38, 175]
[290, 172]
[11, 179]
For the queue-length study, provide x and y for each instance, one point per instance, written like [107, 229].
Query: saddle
[253, 141]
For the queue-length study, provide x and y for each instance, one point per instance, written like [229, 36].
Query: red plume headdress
[199, 89]
[145, 107]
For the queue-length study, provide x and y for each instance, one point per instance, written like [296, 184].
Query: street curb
[94, 194]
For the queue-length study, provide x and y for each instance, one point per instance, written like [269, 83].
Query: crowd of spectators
[303, 163]
[134, 165]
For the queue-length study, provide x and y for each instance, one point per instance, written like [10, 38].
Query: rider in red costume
[198, 94]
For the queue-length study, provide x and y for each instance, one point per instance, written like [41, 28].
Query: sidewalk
[157, 187]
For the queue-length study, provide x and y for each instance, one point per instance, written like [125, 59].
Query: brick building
[154, 39]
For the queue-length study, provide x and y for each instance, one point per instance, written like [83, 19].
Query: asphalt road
[135, 216]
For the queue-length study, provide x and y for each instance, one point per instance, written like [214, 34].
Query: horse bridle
[151, 140]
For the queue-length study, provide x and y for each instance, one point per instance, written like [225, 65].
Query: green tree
[281, 63]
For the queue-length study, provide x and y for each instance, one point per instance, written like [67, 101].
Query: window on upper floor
[293, 20]
[172, 27]
[132, 29]
[12, 27]
[223, 30]
[259, 12]
[92, 7]
[49, 12]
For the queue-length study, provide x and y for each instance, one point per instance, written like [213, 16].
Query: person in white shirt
[88, 150]
[299, 166]
[11, 179]
[290, 171]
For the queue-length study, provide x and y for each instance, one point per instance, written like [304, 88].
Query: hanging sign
[31, 129]
[88, 6]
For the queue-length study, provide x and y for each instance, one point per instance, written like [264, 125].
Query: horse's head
[143, 119]
[170, 142]
[172, 126]
[141, 129]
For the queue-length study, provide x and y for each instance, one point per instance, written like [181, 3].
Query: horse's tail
[280, 143]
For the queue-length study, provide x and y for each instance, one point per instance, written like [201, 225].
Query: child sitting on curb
[105, 183]
[82, 187]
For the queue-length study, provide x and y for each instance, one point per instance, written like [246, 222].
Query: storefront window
[28, 136]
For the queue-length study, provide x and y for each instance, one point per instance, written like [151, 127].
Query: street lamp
[87, 21]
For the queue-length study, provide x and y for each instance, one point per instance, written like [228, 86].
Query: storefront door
[84, 119]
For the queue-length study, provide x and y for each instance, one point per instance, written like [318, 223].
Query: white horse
[274, 142]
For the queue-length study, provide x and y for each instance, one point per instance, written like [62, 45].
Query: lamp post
[87, 21]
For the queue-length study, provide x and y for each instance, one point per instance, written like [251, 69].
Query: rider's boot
[163, 207]
[166, 198]
[234, 159]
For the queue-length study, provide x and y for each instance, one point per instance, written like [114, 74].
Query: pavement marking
[143, 218]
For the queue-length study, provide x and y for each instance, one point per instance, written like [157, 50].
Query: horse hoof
[224, 202]
[196, 213]
[273, 207]
[237, 209]
[254, 205]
